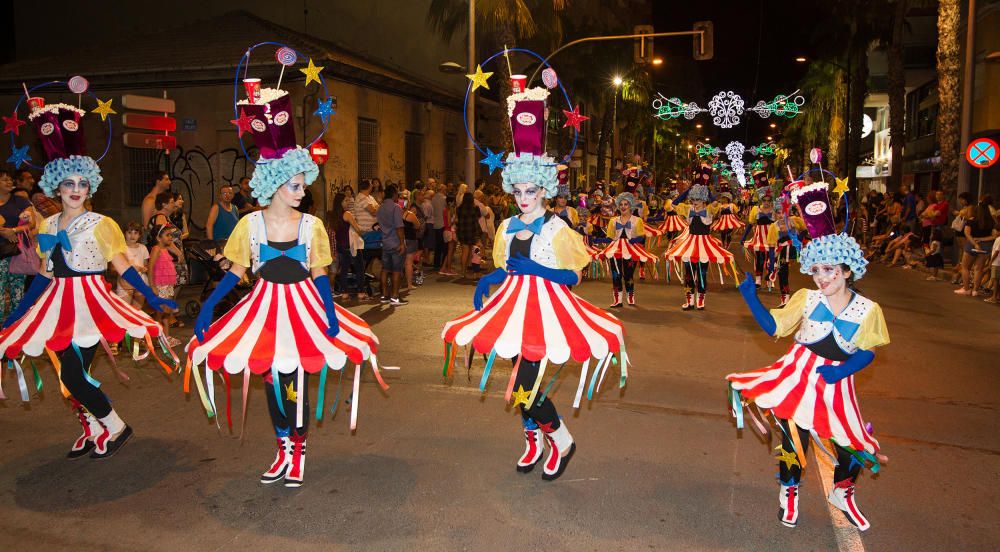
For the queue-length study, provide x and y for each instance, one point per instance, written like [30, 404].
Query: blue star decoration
[493, 160]
[854, 462]
[325, 109]
[19, 155]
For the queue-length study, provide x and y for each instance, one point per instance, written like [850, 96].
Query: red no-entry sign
[982, 153]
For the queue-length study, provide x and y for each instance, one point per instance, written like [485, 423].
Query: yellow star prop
[104, 109]
[841, 186]
[311, 72]
[521, 396]
[788, 457]
[479, 78]
[290, 393]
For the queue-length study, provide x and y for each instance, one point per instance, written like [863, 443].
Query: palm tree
[813, 127]
[897, 93]
[949, 91]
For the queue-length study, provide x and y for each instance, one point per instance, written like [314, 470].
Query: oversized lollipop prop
[78, 85]
[286, 57]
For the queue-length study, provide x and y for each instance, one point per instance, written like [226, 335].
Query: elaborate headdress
[826, 246]
[703, 175]
[528, 162]
[698, 192]
[268, 115]
[762, 186]
[59, 128]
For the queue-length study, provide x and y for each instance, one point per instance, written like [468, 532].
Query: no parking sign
[982, 153]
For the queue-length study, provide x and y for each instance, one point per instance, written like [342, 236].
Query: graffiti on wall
[198, 175]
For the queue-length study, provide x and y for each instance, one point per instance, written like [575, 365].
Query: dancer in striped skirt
[69, 308]
[810, 390]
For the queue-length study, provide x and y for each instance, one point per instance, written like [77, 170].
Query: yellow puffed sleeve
[110, 240]
[500, 246]
[319, 245]
[574, 216]
[873, 332]
[772, 234]
[640, 228]
[571, 252]
[238, 245]
[609, 230]
[787, 318]
[798, 223]
[682, 209]
[752, 219]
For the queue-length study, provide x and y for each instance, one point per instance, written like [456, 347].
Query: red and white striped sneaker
[281, 462]
[842, 496]
[297, 467]
[689, 301]
[561, 449]
[533, 449]
[91, 429]
[788, 500]
[701, 300]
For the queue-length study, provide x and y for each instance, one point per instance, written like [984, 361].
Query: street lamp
[800, 59]
[657, 61]
[772, 125]
[697, 125]
[617, 81]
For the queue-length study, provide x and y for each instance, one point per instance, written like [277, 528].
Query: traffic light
[643, 50]
[703, 41]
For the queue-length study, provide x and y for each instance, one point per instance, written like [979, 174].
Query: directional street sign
[982, 153]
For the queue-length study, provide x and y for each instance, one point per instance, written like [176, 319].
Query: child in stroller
[208, 255]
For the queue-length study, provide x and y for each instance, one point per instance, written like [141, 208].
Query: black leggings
[543, 413]
[760, 259]
[727, 237]
[695, 277]
[283, 422]
[623, 269]
[71, 375]
[847, 467]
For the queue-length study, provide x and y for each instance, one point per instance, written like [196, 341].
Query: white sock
[114, 424]
[95, 426]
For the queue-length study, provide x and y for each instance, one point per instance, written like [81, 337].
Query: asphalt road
[659, 466]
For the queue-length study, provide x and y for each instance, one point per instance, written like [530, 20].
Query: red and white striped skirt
[282, 325]
[793, 390]
[624, 249]
[535, 318]
[80, 310]
[727, 221]
[758, 240]
[674, 223]
[698, 248]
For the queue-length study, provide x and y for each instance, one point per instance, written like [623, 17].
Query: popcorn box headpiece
[60, 130]
[272, 124]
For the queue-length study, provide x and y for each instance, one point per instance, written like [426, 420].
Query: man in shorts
[390, 219]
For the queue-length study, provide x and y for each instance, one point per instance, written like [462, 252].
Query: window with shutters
[450, 144]
[140, 170]
[367, 148]
[414, 156]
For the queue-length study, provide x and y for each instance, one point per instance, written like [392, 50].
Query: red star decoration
[243, 123]
[573, 118]
[12, 124]
[547, 428]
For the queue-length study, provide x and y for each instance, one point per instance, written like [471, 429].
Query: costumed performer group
[533, 318]
[69, 310]
[288, 327]
[810, 390]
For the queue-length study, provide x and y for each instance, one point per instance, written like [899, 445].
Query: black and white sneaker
[397, 302]
[384, 300]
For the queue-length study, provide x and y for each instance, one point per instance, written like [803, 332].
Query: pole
[980, 194]
[614, 138]
[967, 76]
[470, 110]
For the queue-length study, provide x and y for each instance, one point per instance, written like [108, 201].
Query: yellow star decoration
[311, 72]
[521, 396]
[788, 457]
[290, 393]
[104, 109]
[841, 187]
[479, 78]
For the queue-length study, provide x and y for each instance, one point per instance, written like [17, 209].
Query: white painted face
[697, 204]
[624, 207]
[292, 192]
[529, 197]
[73, 191]
[830, 279]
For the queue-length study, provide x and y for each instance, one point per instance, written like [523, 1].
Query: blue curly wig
[626, 196]
[271, 174]
[535, 169]
[60, 169]
[698, 192]
[834, 249]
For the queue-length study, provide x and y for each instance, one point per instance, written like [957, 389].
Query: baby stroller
[206, 254]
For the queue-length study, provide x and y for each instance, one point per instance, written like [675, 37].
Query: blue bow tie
[297, 253]
[699, 213]
[626, 226]
[823, 314]
[516, 225]
[47, 242]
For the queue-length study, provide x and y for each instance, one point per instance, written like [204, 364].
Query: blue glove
[748, 289]
[35, 290]
[832, 374]
[521, 265]
[158, 303]
[204, 319]
[483, 286]
[325, 293]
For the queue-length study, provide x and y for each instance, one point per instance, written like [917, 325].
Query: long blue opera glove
[483, 286]
[35, 290]
[854, 363]
[204, 319]
[158, 303]
[522, 265]
[748, 289]
[323, 286]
